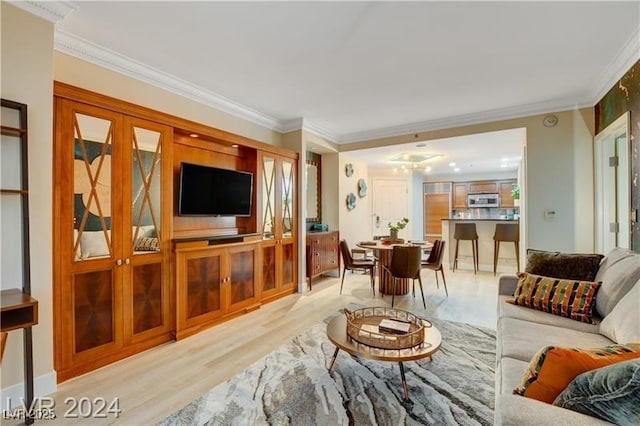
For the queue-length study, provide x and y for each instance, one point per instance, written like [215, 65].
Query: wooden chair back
[405, 261]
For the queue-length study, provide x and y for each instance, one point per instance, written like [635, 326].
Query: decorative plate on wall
[351, 201]
[348, 170]
[362, 188]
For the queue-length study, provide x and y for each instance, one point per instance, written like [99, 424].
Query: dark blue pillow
[610, 393]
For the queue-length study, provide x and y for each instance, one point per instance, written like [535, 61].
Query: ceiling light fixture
[427, 169]
[457, 169]
[452, 164]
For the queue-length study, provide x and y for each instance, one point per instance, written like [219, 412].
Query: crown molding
[98, 55]
[292, 125]
[469, 119]
[52, 11]
[627, 56]
[321, 131]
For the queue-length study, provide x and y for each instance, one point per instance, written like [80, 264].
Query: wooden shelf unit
[18, 310]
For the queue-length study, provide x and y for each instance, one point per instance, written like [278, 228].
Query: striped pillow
[566, 298]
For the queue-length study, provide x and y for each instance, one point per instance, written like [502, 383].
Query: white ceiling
[360, 70]
[474, 154]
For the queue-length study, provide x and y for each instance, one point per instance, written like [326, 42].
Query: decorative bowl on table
[366, 326]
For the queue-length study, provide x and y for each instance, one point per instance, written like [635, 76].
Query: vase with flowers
[393, 229]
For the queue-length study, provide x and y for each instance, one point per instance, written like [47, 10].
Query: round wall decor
[362, 188]
[550, 120]
[348, 170]
[351, 201]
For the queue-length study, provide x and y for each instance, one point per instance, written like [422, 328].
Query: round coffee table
[337, 334]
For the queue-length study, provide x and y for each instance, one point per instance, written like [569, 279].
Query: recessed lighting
[503, 159]
[457, 169]
[452, 164]
[427, 169]
[503, 165]
[194, 135]
[235, 145]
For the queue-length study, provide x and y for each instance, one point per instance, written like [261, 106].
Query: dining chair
[405, 264]
[349, 263]
[434, 262]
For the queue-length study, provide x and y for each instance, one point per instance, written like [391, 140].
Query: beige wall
[83, 74]
[27, 74]
[559, 174]
[355, 225]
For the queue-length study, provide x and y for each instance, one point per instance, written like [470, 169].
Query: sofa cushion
[619, 271]
[521, 340]
[570, 266]
[509, 374]
[622, 325]
[553, 368]
[610, 393]
[527, 314]
[567, 298]
[516, 410]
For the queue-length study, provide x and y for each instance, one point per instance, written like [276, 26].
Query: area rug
[291, 386]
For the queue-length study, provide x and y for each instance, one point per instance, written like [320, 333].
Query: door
[89, 307]
[390, 199]
[278, 223]
[613, 193]
[243, 268]
[146, 247]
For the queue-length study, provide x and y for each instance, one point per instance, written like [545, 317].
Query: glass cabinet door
[91, 290]
[288, 251]
[268, 216]
[146, 285]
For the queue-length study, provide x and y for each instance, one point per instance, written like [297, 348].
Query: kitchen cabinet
[483, 187]
[506, 199]
[460, 192]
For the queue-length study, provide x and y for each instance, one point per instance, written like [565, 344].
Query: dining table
[383, 250]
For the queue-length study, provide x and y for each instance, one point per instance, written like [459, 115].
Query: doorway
[612, 195]
[390, 201]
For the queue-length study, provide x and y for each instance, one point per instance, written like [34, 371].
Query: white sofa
[521, 332]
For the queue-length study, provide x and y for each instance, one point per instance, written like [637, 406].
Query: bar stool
[467, 231]
[506, 232]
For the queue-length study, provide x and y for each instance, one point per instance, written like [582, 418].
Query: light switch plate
[549, 215]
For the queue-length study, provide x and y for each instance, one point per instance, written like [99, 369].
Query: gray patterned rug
[291, 386]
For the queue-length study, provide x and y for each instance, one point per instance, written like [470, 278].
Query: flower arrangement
[399, 225]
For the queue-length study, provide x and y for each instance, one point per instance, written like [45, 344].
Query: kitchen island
[485, 228]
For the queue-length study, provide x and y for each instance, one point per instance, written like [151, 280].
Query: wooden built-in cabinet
[129, 272]
[460, 192]
[322, 253]
[111, 236]
[214, 281]
[278, 220]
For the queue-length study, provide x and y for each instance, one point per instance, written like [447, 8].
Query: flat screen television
[210, 191]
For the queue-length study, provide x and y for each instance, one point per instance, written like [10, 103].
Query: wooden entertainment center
[129, 272]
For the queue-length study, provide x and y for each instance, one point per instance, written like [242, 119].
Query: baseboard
[12, 396]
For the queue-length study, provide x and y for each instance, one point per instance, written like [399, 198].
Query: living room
[559, 164]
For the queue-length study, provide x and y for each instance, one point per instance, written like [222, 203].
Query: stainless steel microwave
[483, 200]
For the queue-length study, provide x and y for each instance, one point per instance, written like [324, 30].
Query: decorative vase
[393, 234]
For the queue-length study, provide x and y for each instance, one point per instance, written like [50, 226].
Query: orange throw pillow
[552, 368]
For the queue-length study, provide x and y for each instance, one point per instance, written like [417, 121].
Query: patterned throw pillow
[567, 298]
[147, 244]
[568, 266]
[552, 368]
[609, 393]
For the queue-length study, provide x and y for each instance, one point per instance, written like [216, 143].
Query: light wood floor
[157, 382]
